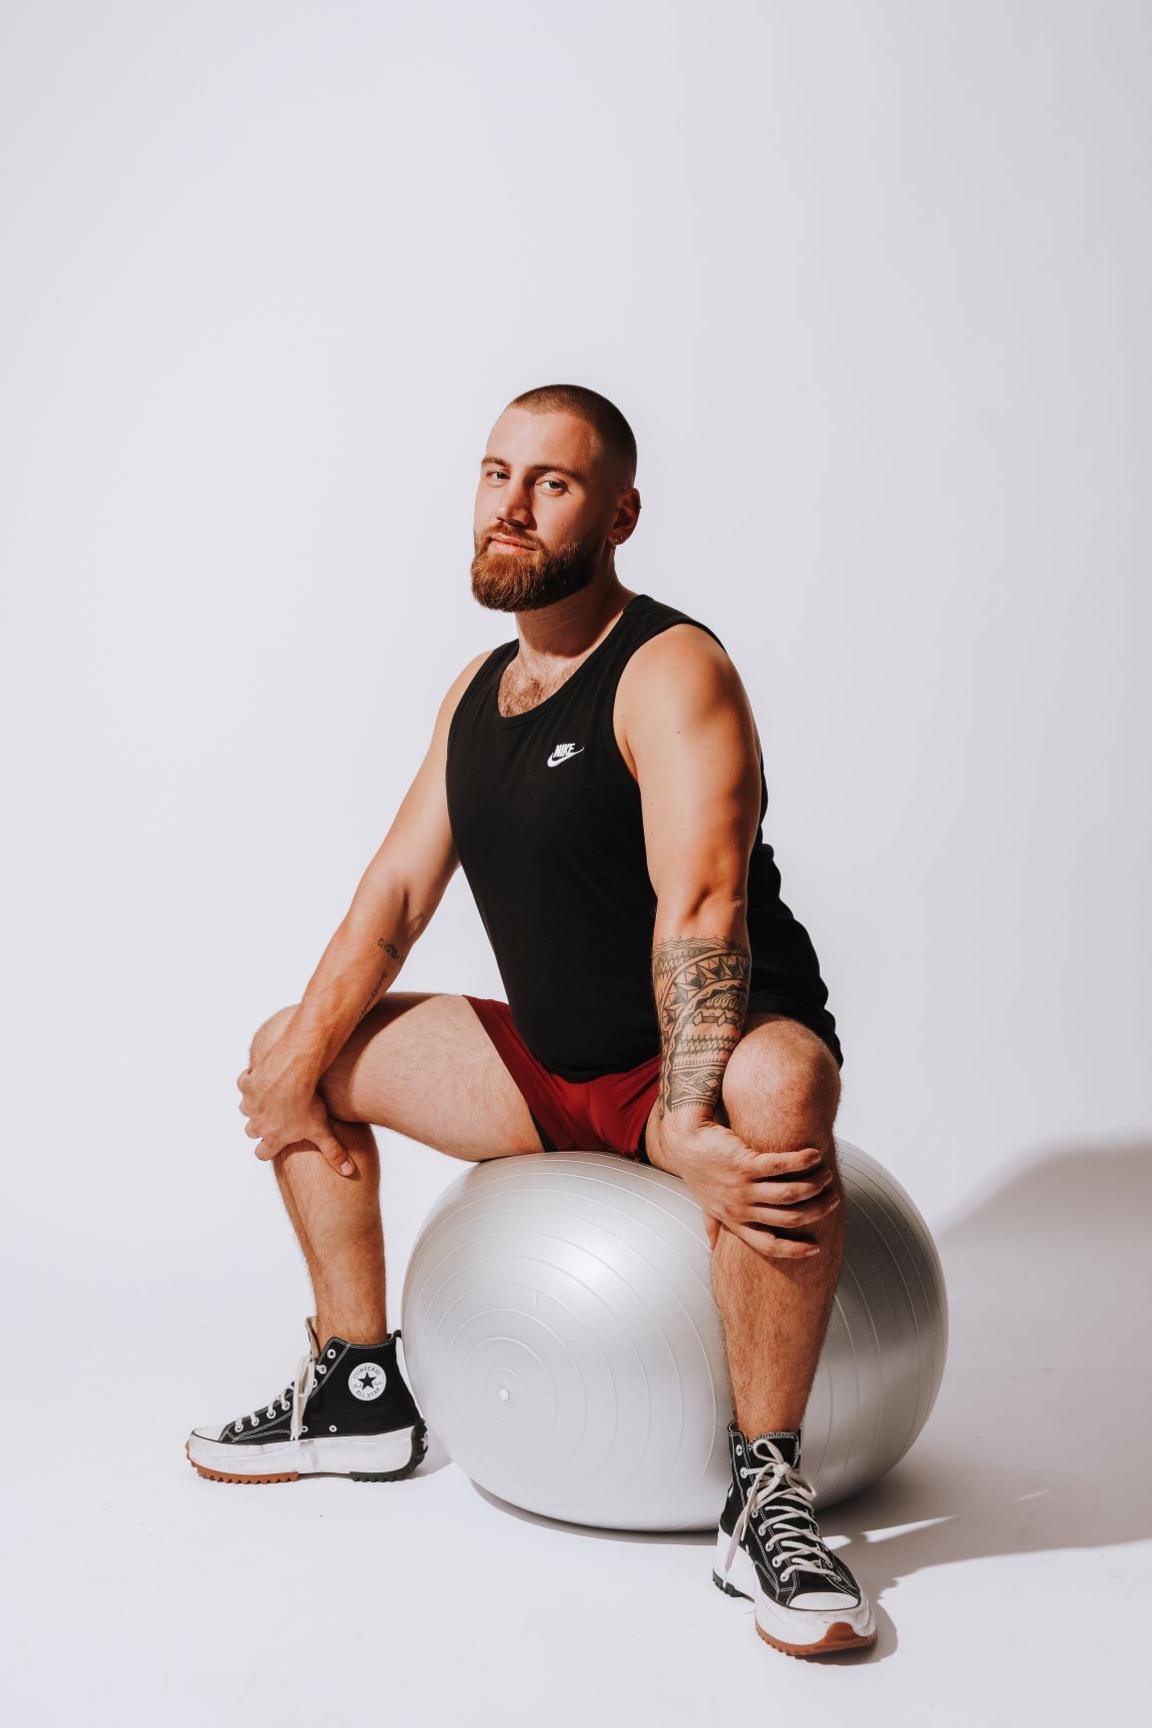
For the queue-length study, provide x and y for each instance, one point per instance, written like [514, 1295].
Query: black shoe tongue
[786, 1441]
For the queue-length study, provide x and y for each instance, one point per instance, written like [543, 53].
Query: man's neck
[555, 637]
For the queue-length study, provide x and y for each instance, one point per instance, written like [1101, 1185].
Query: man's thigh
[423, 1065]
[780, 1077]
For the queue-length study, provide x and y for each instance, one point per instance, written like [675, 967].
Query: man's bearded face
[506, 580]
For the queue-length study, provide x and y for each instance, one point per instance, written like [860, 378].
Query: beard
[526, 581]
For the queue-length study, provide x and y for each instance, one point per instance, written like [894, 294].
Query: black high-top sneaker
[769, 1549]
[349, 1412]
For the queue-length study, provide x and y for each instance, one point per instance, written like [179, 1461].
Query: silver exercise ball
[563, 1340]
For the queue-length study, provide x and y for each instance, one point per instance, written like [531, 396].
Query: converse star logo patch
[562, 752]
[367, 1381]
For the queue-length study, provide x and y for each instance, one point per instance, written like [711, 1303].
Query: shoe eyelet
[239, 1427]
[332, 1428]
[304, 1430]
[776, 1558]
[331, 1353]
[320, 1368]
[740, 1449]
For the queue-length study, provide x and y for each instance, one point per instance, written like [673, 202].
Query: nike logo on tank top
[547, 822]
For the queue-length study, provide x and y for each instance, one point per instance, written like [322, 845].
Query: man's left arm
[693, 738]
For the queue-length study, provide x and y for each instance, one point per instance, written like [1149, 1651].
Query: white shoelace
[301, 1392]
[800, 1549]
[292, 1398]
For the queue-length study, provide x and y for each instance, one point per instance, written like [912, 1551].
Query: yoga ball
[562, 1339]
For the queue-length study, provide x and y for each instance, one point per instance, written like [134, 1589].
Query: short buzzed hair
[617, 440]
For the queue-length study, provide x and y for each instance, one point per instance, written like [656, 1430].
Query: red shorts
[607, 1114]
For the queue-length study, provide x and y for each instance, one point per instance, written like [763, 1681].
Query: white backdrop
[870, 282]
[871, 285]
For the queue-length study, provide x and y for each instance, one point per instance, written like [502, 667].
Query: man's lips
[519, 545]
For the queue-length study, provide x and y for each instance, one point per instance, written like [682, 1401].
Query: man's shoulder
[673, 683]
[683, 649]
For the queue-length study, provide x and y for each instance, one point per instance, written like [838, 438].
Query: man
[600, 780]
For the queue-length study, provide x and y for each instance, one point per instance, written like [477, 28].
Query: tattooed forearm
[393, 954]
[701, 986]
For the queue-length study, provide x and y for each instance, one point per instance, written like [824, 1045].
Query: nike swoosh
[554, 760]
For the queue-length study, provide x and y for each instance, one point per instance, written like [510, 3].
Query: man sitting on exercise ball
[600, 779]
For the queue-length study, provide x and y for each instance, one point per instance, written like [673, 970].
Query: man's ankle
[354, 1330]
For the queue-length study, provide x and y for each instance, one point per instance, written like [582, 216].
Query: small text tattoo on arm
[394, 954]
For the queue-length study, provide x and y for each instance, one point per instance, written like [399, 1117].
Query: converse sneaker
[769, 1550]
[347, 1413]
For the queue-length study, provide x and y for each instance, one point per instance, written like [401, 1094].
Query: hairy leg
[337, 1220]
[423, 1065]
[781, 1091]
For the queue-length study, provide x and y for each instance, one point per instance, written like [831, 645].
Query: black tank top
[546, 819]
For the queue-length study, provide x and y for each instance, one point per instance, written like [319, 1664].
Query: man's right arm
[392, 906]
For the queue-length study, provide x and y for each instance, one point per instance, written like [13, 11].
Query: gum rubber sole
[419, 1449]
[219, 1476]
[839, 1636]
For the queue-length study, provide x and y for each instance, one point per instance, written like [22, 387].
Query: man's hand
[285, 1111]
[753, 1194]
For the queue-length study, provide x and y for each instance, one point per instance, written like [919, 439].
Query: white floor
[1009, 1554]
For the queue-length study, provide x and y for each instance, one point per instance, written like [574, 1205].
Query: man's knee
[271, 1032]
[783, 1083]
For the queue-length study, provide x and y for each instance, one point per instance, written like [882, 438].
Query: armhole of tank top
[617, 753]
[482, 671]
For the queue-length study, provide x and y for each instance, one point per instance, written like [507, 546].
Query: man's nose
[516, 504]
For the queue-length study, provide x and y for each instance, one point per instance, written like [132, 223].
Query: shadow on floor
[1038, 1439]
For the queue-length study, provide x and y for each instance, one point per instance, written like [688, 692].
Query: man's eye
[559, 483]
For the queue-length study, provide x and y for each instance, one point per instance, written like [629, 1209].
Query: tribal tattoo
[701, 986]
